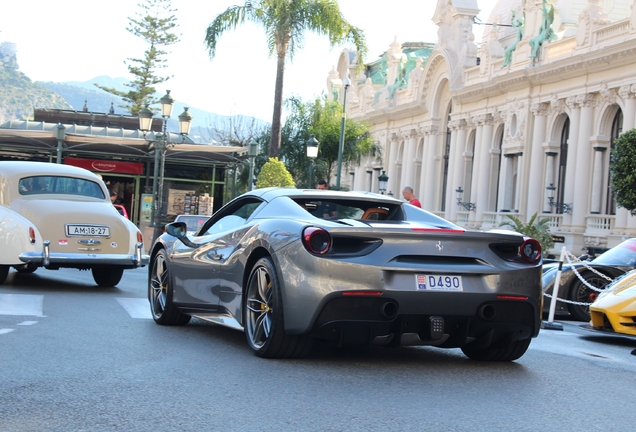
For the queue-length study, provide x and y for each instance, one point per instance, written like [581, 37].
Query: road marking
[21, 304]
[136, 307]
[5, 331]
[28, 323]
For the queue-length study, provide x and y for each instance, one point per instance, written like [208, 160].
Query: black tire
[162, 309]
[4, 272]
[263, 316]
[26, 269]
[107, 276]
[584, 294]
[510, 353]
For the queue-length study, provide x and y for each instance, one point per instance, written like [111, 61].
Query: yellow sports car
[615, 310]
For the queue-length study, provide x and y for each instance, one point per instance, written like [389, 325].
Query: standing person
[322, 185]
[408, 195]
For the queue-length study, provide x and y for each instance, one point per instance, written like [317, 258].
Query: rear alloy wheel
[107, 276]
[510, 353]
[263, 312]
[160, 294]
[4, 272]
[581, 293]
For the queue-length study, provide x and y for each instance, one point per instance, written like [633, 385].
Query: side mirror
[180, 231]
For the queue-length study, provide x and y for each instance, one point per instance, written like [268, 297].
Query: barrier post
[551, 325]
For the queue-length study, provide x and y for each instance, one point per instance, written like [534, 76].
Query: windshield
[622, 255]
[193, 222]
[53, 185]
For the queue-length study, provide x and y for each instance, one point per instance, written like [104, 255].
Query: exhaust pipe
[389, 310]
[486, 312]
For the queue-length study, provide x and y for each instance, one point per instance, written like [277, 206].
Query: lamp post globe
[383, 180]
[312, 152]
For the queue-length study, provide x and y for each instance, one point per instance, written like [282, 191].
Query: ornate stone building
[522, 124]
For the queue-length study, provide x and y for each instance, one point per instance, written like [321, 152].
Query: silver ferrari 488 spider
[289, 266]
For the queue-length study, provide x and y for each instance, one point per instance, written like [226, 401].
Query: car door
[197, 269]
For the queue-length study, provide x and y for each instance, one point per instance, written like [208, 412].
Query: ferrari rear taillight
[530, 250]
[316, 240]
[31, 235]
[140, 237]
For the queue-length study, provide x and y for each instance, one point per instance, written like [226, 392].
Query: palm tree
[285, 23]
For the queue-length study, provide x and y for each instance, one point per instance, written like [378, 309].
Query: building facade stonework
[524, 123]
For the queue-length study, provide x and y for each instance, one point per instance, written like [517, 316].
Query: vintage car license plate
[88, 230]
[438, 282]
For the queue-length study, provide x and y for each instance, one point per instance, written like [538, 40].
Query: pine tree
[154, 26]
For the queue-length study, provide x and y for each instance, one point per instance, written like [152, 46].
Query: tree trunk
[274, 142]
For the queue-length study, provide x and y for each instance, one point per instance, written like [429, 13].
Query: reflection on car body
[381, 273]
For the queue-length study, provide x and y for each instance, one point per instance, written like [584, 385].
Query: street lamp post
[347, 83]
[161, 143]
[253, 152]
[312, 153]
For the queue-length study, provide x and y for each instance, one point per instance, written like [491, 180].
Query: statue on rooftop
[545, 32]
[518, 25]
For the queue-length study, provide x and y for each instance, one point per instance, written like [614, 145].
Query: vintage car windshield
[53, 185]
[622, 255]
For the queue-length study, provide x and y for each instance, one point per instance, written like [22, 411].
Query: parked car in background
[608, 266]
[372, 270]
[55, 216]
[193, 222]
[614, 311]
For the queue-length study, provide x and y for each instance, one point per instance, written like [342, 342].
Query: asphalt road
[75, 357]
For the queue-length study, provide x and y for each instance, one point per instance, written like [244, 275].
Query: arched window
[446, 158]
[617, 129]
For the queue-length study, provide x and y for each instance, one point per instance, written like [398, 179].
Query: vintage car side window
[49, 185]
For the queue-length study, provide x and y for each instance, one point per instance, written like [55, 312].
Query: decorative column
[582, 185]
[505, 182]
[454, 180]
[481, 175]
[390, 169]
[597, 179]
[375, 182]
[534, 204]
[408, 159]
[369, 181]
[427, 181]
[573, 103]
[519, 178]
[549, 180]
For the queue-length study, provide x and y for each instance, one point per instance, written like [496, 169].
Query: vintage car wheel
[263, 312]
[512, 352]
[107, 276]
[4, 272]
[584, 294]
[160, 294]
[25, 269]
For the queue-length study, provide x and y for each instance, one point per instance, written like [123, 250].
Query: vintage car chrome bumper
[46, 258]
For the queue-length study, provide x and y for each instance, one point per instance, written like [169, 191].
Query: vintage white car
[55, 216]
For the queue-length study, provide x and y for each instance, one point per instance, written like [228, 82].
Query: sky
[78, 40]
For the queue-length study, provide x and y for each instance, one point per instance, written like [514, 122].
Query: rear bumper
[87, 260]
[446, 320]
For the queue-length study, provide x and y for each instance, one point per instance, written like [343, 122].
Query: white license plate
[431, 282]
[88, 230]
